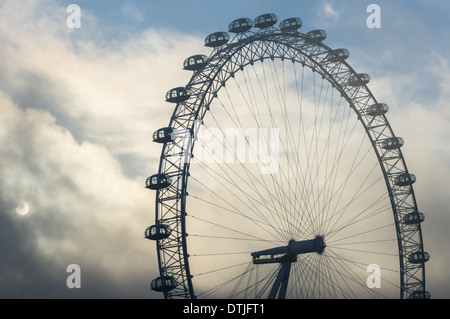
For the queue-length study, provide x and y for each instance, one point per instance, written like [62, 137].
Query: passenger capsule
[177, 95]
[377, 109]
[405, 179]
[195, 62]
[240, 25]
[338, 55]
[157, 232]
[163, 135]
[419, 257]
[413, 218]
[359, 79]
[291, 24]
[420, 295]
[392, 143]
[318, 35]
[265, 20]
[163, 284]
[158, 181]
[217, 39]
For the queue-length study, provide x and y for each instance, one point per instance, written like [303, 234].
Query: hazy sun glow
[22, 208]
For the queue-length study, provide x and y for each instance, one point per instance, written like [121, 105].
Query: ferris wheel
[281, 177]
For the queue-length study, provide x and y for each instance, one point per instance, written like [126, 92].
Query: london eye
[281, 177]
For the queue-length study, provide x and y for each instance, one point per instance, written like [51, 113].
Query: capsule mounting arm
[290, 252]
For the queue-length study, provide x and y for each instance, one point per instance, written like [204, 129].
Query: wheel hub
[290, 252]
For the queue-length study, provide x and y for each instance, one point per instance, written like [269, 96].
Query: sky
[79, 106]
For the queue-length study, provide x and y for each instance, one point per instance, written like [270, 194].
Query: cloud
[83, 210]
[326, 13]
[133, 12]
[329, 11]
[75, 140]
[104, 94]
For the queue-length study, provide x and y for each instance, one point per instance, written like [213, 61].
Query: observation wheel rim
[223, 52]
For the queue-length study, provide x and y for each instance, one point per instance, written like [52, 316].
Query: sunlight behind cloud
[22, 208]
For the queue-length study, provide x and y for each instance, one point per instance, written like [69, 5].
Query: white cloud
[326, 13]
[133, 12]
[75, 139]
[330, 11]
[106, 95]
[82, 208]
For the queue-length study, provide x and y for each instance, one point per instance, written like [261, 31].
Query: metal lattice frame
[223, 63]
